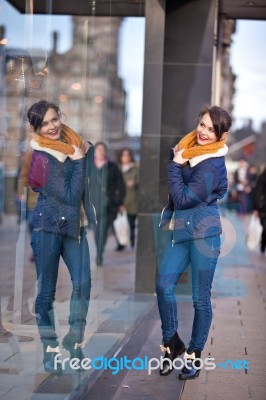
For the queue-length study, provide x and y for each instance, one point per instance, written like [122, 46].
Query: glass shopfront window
[91, 66]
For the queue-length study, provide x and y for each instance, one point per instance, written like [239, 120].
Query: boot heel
[174, 348]
[49, 354]
[191, 372]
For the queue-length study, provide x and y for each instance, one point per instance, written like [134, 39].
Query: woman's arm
[203, 182]
[65, 189]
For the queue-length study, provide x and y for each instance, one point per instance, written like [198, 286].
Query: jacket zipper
[163, 211]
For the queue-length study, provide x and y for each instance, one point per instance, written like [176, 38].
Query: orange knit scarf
[189, 143]
[68, 136]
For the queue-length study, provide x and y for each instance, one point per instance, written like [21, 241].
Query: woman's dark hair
[37, 112]
[130, 152]
[221, 120]
[101, 144]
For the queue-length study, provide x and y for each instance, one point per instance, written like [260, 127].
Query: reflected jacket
[192, 211]
[63, 192]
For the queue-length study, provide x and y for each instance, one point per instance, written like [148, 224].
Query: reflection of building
[83, 81]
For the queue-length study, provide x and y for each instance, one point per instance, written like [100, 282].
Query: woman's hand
[178, 158]
[78, 153]
[130, 183]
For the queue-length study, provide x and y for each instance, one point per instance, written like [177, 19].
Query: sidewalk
[116, 327]
[114, 309]
[237, 333]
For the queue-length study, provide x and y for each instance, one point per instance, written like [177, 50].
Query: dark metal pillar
[178, 70]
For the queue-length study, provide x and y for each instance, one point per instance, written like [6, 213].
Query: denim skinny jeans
[47, 248]
[202, 254]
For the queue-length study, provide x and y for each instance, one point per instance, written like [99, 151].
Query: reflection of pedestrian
[23, 184]
[4, 334]
[107, 193]
[59, 172]
[197, 177]
[25, 192]
[131, 178]
[260, 206]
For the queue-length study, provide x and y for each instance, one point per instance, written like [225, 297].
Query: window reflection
[73, 61]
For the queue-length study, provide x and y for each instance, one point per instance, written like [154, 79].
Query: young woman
[131, 178]
[107, 193]
[197, 177]
[59, 172]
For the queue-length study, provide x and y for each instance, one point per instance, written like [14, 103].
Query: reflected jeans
[203, 255]
[47, 248]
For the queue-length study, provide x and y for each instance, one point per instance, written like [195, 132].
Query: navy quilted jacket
[62, 187]
[192, 211]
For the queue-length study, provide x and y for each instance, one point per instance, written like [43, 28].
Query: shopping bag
[254, 232]
[121, 228]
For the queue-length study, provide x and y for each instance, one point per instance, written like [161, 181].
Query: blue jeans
[47, 249]
[203, 255]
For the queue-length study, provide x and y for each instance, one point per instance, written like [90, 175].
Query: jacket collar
[55, 153]
[220, 153]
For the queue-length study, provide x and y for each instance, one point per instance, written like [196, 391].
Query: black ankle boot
[174, 348]
[190, 372]
[49, 354]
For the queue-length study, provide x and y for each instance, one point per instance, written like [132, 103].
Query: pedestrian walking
[24, 191]
[107, 193]
[260, 206]
[130, 173]
[59, 173]
[197, 178]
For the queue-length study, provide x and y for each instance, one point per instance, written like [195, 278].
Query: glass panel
[91, 66]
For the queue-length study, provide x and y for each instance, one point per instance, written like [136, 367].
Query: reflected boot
[99, 260]
[120, 247]
[74, 347]
[193, 365]
[49, 364]
[4, 335]
[174, 348]
[263, 241]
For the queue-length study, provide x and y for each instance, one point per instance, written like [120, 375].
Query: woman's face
[100, 152]
[125, 157]
[205, 131]
[51, 125]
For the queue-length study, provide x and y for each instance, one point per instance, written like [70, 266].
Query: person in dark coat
[59, 174]
[260, 206]
[197, 178]
[107, 193]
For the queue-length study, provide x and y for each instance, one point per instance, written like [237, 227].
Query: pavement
[124, 324]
